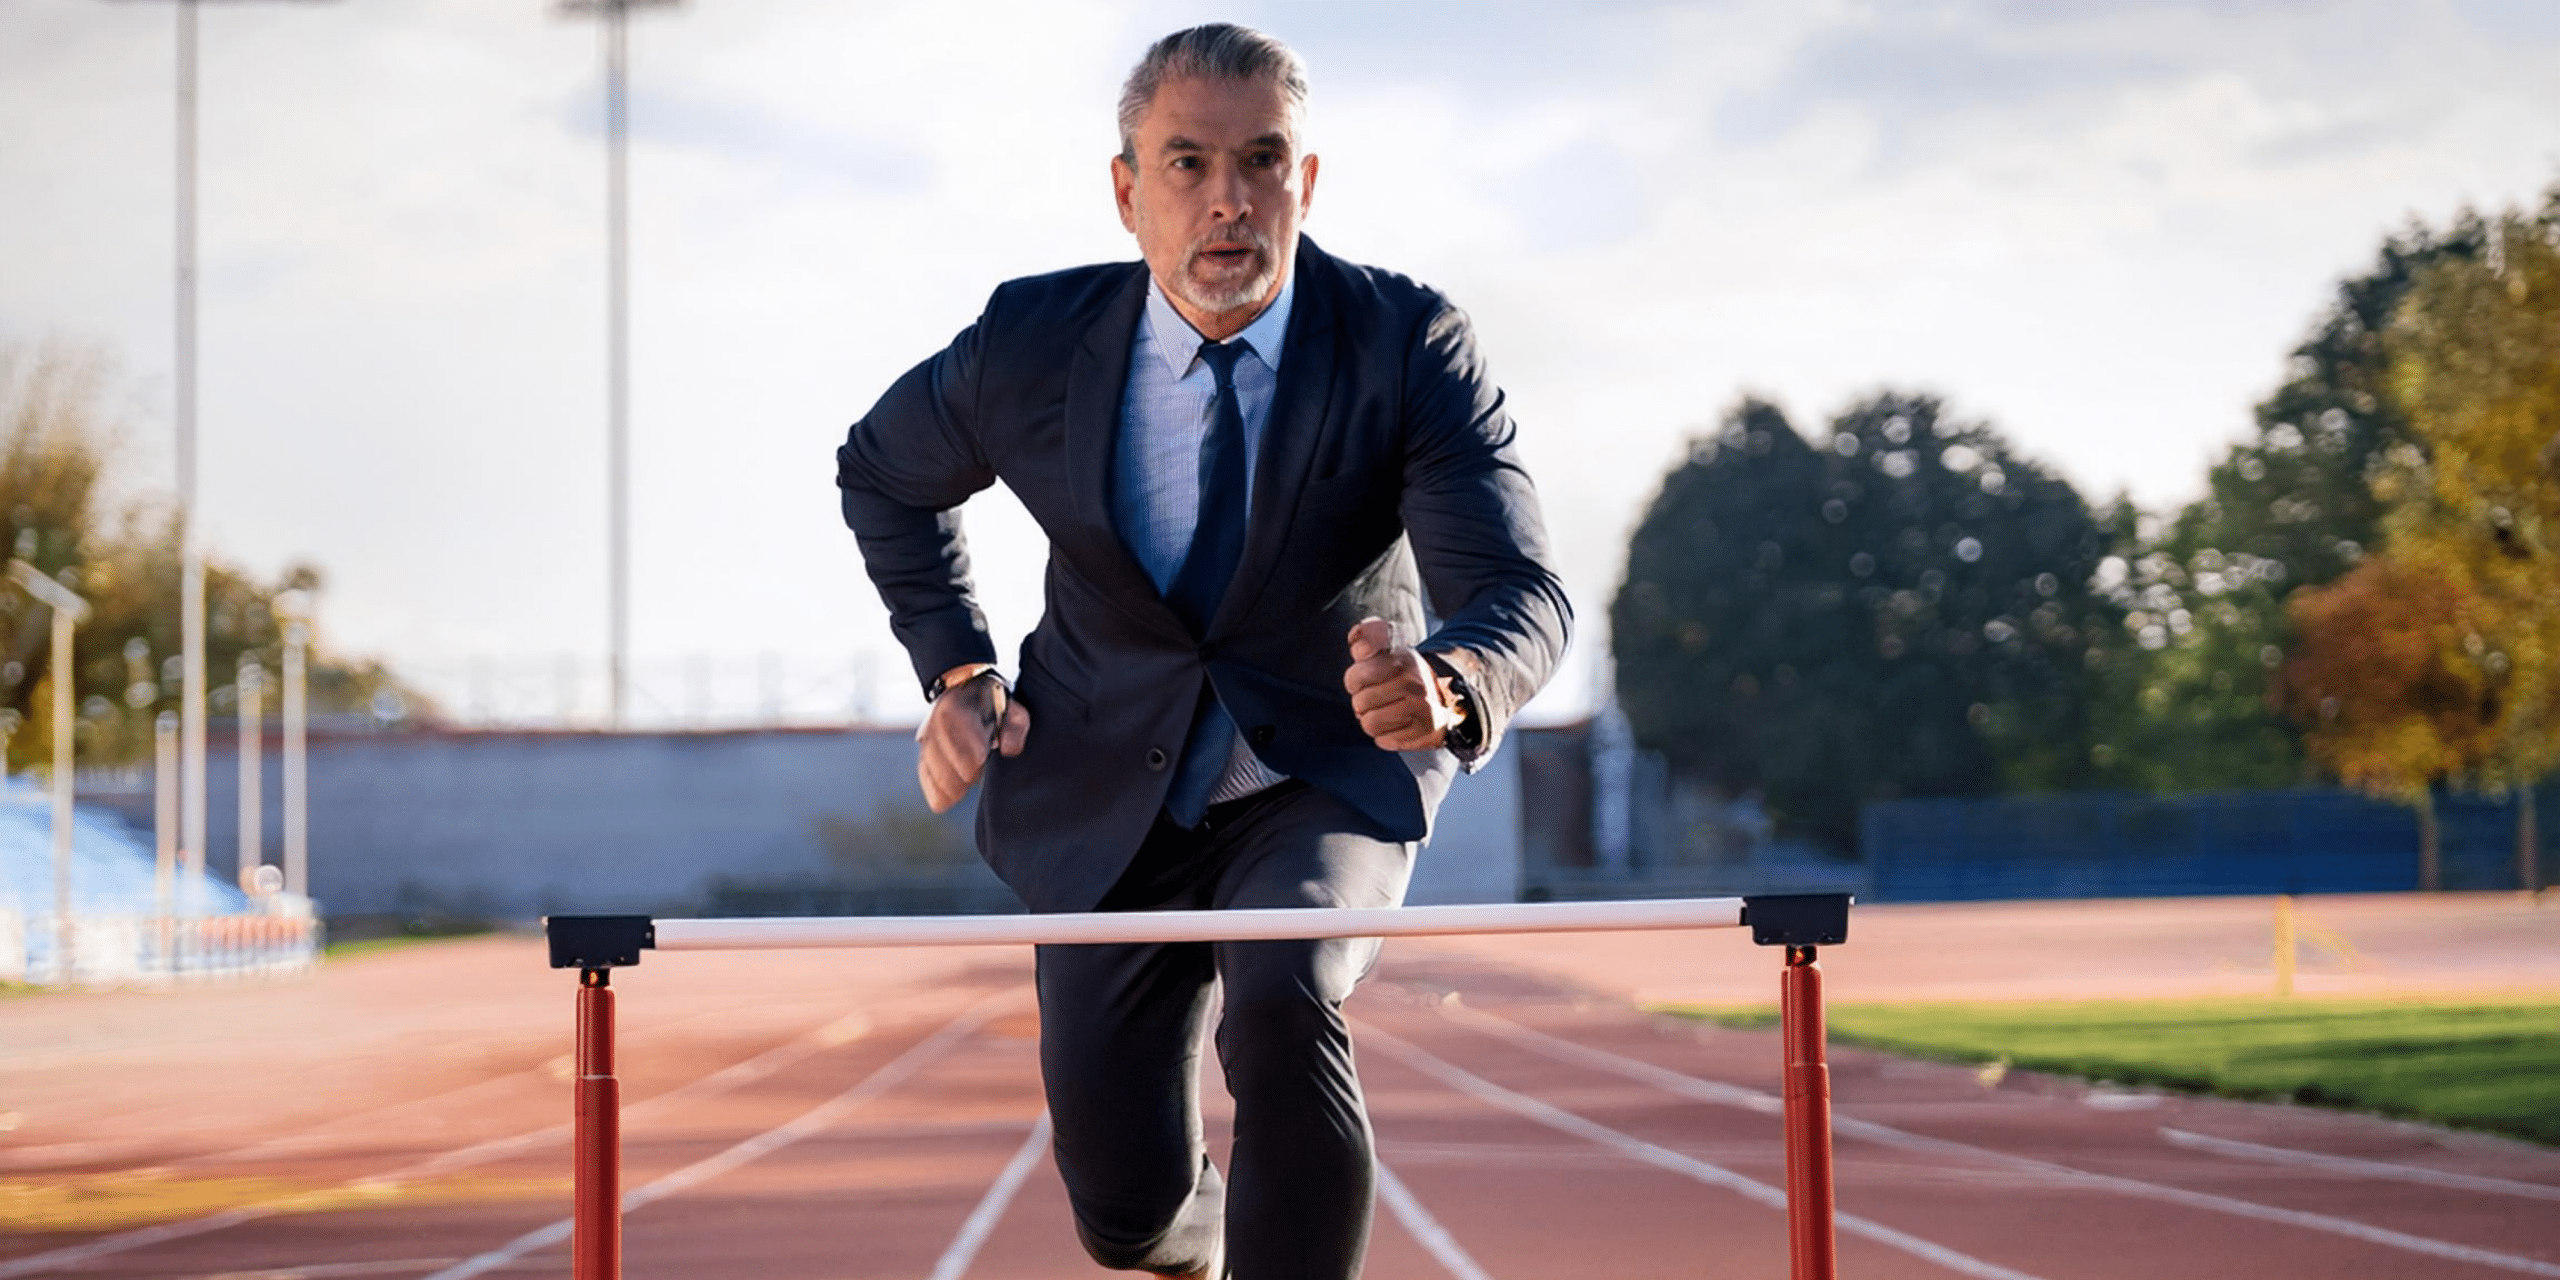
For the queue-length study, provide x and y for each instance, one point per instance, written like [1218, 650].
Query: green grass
[368, 946]
[2485, 1065]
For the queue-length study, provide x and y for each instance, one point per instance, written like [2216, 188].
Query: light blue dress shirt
[1165, 414]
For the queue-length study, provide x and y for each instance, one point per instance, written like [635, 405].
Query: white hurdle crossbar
[1240, 925]
[597, 945]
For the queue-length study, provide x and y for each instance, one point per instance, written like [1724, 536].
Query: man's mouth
[1227, 255]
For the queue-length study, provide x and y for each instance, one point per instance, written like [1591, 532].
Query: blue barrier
[2109, 845]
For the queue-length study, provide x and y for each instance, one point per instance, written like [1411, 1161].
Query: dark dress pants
[1120, 1041]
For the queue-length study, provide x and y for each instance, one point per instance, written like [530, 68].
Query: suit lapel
[1289, 436]
[1097, 378]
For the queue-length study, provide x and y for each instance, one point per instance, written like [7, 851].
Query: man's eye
[1186, 162]
[1263, 159]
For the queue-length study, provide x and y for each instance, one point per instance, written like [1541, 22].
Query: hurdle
[596, 945]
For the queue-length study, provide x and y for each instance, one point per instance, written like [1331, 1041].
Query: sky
[2100, 227]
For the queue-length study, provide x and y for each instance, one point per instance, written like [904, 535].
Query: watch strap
[933, 692]
[1468, 733]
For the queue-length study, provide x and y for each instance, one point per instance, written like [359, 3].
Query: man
[1249, 458]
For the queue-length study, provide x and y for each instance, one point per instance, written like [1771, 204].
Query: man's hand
[971, 720]
[1401, 706]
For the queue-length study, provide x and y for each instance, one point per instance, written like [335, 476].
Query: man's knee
[1126, 1225]
[1121, 1238]
[1290, 979]
[1284, 1003]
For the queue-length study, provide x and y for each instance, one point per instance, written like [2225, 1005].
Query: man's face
[1215, 197]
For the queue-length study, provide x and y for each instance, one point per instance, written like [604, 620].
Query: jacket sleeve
[903, 472]
[1477, 535]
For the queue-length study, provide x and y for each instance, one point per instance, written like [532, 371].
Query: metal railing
[120, 949]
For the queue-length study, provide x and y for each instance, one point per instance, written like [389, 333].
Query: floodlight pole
[253, 747]
[191, 628]
[617, 59]
[164, 834]
[68, 612]
[617, 115]
[297, 796]
[191, 637]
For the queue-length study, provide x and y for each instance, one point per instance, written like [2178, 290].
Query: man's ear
[1306, 185]
[1124, 186]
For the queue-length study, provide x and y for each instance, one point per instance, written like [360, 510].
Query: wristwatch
[934, 691]
[1468, 733]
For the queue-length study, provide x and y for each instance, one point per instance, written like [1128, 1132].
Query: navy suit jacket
[1388, 467]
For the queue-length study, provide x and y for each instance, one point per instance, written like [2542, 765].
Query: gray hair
[1217, 51]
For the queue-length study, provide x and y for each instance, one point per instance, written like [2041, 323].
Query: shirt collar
[1178, 344]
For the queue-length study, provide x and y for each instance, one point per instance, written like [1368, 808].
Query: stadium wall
[511, 825]
[2129, 846]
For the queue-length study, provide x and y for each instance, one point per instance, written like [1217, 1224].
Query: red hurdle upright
[595, 1241]
[1810, 1244]
[597, 945]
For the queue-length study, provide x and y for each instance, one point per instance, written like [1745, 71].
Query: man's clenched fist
[1401, 705]
[972, 719]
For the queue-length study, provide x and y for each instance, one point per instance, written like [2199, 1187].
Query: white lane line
[991, 1206]
[1886, 1135]
[2357, 1168]
[332, 1270]
[1757, 1192]
[815, 1119]
[1425, 1228]
[74, 1255]
[840, 1031]
[844, 1030]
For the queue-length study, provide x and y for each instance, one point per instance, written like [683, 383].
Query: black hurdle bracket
[599, 942]
[1776, 919]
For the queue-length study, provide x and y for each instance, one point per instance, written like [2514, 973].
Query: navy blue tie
[1217, 541]
[1218, 538]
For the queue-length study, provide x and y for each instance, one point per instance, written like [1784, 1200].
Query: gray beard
[1236, 297]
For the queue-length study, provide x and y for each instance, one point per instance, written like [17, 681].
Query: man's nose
[1230, 196]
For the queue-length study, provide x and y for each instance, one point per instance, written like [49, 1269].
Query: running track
[855, 1115]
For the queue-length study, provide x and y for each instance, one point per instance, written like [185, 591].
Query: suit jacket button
[1155, 757]
[1260, 736]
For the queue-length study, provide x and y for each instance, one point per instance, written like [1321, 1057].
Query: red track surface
[402, 1115]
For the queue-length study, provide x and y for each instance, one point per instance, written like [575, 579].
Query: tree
[1902, 611]
[2289, 508]
[2475, 496]
[2384, 701]
[58, 454]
